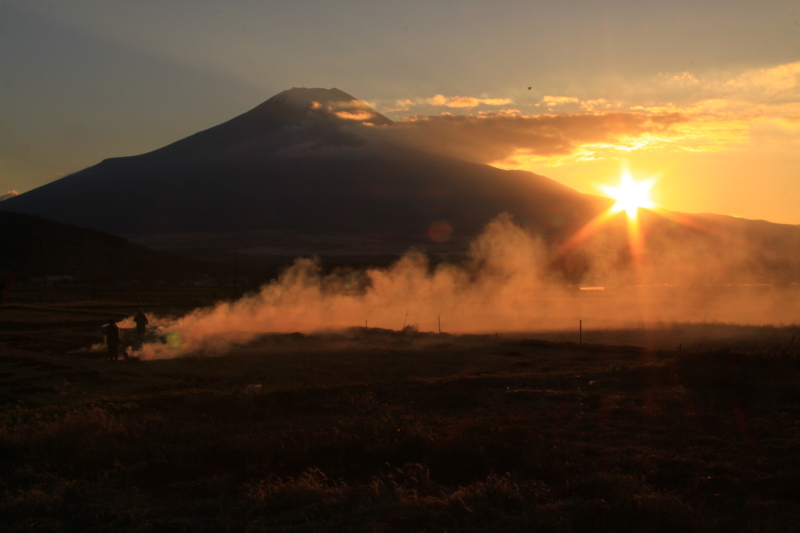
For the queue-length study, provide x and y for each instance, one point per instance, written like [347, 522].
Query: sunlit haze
[705, 97]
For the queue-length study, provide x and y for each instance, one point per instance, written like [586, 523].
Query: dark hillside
[36, 247]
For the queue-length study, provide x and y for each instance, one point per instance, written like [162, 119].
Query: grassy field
[374, 430]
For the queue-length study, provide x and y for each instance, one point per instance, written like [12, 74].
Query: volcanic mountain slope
[306, 161]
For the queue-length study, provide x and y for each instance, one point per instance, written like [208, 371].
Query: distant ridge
[36, 247]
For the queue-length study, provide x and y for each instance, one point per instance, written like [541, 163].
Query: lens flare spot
[440, 231]
[174, 339]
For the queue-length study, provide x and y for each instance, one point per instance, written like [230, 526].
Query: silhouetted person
[141, 322]
[112, 339]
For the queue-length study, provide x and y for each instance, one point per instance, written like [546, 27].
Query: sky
[703, 97]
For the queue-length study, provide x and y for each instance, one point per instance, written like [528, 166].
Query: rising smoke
[507, 284]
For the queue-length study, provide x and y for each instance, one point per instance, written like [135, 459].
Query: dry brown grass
[382, 431]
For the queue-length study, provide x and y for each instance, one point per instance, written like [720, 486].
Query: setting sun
[630, 195]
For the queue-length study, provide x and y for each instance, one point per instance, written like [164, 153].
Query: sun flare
[630, 195]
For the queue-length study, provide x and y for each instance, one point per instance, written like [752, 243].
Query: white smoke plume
[505, 286]
[9, 194]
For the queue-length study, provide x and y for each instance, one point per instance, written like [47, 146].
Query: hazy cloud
[700, 115]
[361, 116]
[10, 194]
[466, 101]
[491, 137]
[768, 82]
[726, 111]
[402, 105]
[598, 104]
[553, 101]
[352, 110]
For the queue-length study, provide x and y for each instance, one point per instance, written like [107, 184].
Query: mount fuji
[306, 162]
